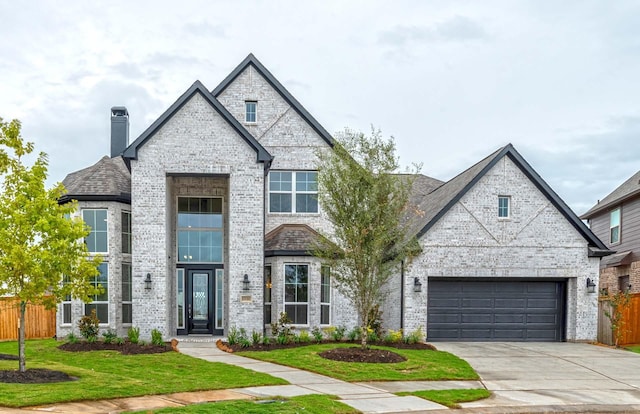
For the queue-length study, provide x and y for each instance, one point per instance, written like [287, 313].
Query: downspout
[402, 294]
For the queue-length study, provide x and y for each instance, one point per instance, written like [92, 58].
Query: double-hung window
[267, 294]
[250, 112]
[296, 293]
[66, 303]
[614, 226]
[96, 240]
[325, 295]
[293, 192]
[101, 300]
[126, 232]
[127, 314]
[504, 207]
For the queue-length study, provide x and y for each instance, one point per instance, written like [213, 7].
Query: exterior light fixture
[147, 281]
[591, 286]
[245, 282]
[417, 286]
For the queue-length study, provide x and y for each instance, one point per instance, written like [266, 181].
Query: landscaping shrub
[232, 337]
[392, 337]
[256, 337]
[338, 333]
[415, 336]
[156, 337]
[88, 326]
[354, 334]
[304, 337]
[282, 330]
[72, 338]
[134, 335]
[109, 336]
[317, 334]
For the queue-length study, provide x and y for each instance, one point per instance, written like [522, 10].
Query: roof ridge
[251, 60]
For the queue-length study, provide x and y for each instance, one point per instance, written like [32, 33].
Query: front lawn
[108, 374]
[451, 398]
[634, 348]
[312, 404]
[421, 364]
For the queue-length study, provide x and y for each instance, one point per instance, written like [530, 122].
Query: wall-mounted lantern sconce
[147, 281]
[417, 286]
[245, 282]
[591, 286]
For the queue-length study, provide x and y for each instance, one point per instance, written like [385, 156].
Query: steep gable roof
[107, 180]
[438, 202]
[629, 189]
[275, 84]
[197, 87]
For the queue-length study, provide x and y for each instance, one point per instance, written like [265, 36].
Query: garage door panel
[495, 310]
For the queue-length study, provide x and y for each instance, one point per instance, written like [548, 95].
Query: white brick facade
[196, 152]
[537, 241]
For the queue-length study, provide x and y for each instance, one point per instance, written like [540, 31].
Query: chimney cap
[119, 111]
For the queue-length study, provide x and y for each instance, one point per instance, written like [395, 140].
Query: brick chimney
[119, 130]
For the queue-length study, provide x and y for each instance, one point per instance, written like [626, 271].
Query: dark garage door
[489, 310]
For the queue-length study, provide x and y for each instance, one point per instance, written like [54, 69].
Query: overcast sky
[452, 81]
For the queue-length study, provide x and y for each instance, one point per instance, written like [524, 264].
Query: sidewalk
[372, 397]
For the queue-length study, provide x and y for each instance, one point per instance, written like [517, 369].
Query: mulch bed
[8, 357]
[271, 347]
[127, 348]
[34, 376]
[356, 354]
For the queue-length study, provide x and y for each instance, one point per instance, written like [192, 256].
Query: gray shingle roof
[290, 240]
[629, 189]
[435, 204]
[108, 179]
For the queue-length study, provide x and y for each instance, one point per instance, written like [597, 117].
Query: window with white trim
[325, 295]
[293, 192]
[504, 206]
[126, 232]
[127, 307]
[96, 219]
[296, 293]
[250, 112]
[100, 301]
[66, 303]
[614, 226]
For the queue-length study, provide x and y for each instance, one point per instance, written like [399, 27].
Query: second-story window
[293, 192]
[250, 112]
[96, 240]
[126, 232]
[503, 206]
[614, 226]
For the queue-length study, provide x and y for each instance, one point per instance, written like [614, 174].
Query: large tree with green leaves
[365, 200]
[40, 244]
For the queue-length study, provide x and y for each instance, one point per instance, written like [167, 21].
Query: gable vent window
[504, 205]
[614, 226]
[250, 112]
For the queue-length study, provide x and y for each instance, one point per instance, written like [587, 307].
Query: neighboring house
[206, 220]
[616, 220]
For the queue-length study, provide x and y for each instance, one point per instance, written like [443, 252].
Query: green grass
[108, 374]
[634, 348]
[312, 404]
[451, 398]
[420, 364]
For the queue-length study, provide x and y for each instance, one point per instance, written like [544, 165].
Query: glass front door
[201, 303]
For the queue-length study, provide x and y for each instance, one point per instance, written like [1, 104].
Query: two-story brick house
[616, 220]
[205, 222]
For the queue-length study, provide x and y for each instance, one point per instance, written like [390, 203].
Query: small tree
[39, 242]
[366, 201]
[618, 303]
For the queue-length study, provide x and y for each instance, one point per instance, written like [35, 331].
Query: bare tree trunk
[21, 335]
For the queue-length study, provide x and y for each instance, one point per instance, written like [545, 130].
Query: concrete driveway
[552, 374]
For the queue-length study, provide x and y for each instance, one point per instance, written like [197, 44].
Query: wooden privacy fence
[631, 326]
[39, 322]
